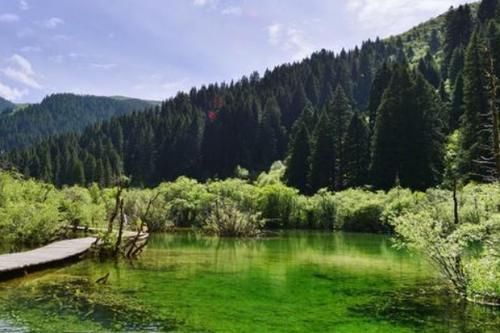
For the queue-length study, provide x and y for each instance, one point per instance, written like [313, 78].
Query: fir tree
[380, 84]
[457, 104]
[476, 138]
[458, 29]
[434, 42]
[487, 9]
[428, 68]
[356, 152]
[456, 64]
[322, 161]
[271, 134]
[298, 161]
[407, 143]
[340, 114]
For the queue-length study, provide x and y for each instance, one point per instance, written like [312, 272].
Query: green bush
[360, 211]
[323, 210]
[465, 250]
[79, 208]
[225, 219]
[277, 202]
[29, 211]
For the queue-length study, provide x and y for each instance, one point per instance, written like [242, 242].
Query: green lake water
[297, 282]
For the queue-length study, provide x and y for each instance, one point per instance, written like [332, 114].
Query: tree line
[377, 115]
[56, 114]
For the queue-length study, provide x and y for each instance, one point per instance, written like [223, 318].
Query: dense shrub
[225, 219]
[359, 211]
[29, 211]
[79, 207]
[277, 203]
[465, 248]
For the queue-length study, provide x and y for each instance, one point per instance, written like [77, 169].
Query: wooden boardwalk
[53, 253]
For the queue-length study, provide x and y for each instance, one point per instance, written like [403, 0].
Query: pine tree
[487, 9]
[46, 173]
[365, 78]
[434, 42]
[456, 64]
[493, 75]
[476, 138]
[271, 134]
[457, 104]
[340, 114]
[407, 143]
[356, 152]
[322, 161]
[445, 108]
[343, 78]
[312, 90]
[458, 29]
[380, 84]
[90, 169]
[298, 163]
[77, 171]
[428, 68]
[388, 132]
[422, 154]
[299, 102]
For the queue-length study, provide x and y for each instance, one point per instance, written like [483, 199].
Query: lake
[295, 282]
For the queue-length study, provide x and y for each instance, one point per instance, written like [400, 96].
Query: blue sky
[153, 48]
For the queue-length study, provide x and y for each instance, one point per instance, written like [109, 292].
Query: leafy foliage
[226, 220]
[429, 226]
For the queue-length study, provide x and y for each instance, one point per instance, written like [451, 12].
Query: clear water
[297, 282]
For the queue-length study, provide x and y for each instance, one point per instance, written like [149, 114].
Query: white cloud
[289, 39]
[20, 70]
[12, 94]
[103, 66]
[274, 33]
[203, 3]
[200, 2]
[23, 5]
[53, 22]
[395, 15]
[232, 10]
[9, 18]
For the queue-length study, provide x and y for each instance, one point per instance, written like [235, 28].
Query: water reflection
[295, 282]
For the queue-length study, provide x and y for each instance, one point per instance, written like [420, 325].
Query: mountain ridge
[60, 113]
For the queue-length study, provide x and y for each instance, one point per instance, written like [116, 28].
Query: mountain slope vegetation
[6, 105]
[60, 113]
[379, 115]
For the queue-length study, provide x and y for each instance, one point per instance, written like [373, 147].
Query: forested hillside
[6, 105]
[60, 113]
[414, 110]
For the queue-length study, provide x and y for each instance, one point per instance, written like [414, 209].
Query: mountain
[378, 114]
[60, 113]
[125, 98]
[6, 105]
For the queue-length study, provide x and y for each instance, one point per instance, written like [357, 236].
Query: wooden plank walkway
[51, 254]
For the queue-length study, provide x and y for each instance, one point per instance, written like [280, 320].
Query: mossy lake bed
[295, 282]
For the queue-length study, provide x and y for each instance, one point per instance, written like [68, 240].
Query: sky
[152, 49]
